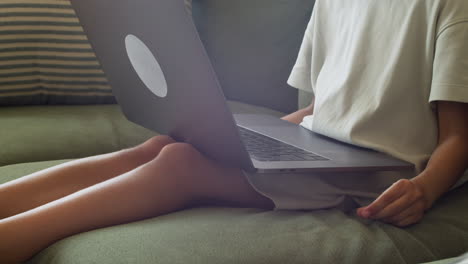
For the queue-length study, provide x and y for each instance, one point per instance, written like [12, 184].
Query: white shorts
[312, 191]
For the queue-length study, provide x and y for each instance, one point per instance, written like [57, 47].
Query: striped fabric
[45, 57]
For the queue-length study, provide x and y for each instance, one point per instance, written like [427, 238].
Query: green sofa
[253, 45]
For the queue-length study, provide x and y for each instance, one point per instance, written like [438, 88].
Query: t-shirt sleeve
[300, 77]
[450, 68]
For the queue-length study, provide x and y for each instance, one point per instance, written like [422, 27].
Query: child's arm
[297, 116]
[404, 202]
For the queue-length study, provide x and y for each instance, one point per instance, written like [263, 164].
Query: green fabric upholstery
[37, 133]
[447, 261]
[242, 235]
[45, 57]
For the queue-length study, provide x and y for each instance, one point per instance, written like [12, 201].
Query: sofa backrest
[253, 45]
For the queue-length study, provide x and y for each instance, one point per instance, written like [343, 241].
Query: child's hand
[402, 204]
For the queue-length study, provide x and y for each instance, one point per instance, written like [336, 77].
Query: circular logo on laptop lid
[146, 66]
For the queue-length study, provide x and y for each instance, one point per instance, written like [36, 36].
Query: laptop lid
[139, 57]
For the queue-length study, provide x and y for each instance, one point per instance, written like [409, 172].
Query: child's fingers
[412, 197]
[398, 206]
[416, 208]
[386, 198]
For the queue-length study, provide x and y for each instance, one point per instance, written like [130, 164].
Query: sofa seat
[39, 138]
[244, 235]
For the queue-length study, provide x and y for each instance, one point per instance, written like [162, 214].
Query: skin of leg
[179, 177]
[61, 180]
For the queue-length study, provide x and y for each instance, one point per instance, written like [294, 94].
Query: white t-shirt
[374, 68]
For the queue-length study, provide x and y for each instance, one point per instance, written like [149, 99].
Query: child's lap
[312, 191]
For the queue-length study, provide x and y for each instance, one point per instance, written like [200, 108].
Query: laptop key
[263, 148]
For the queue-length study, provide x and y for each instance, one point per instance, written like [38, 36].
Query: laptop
[163, 80]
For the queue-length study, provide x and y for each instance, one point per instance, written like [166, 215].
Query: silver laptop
[163, 80]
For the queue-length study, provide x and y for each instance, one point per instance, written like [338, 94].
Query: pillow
[45, 57]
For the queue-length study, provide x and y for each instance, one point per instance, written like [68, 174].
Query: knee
[181, 154]
[178, 163]
[182, 160]
[149, 149]
[157, 142]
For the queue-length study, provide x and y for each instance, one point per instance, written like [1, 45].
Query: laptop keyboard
[263, 148]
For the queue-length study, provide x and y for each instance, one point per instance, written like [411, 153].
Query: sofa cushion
[37, 133]
[458, 260]
[45, 57]
[242, 235]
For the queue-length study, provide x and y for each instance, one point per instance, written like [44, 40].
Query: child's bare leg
[45, 186]
[178, 178]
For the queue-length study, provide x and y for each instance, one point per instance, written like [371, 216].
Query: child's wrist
[429, 192]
